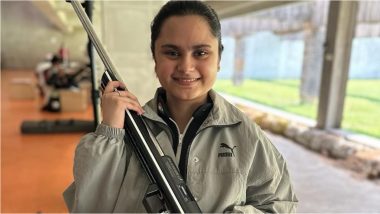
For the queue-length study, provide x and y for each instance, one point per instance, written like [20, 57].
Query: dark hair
[56, 59]
[183, 8]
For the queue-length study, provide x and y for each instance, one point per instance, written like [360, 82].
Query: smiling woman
[192, 124]
[187, 61]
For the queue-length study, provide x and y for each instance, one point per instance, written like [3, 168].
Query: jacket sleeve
[99, 167]
[269, 188]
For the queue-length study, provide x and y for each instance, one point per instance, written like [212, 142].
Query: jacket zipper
[180, 136]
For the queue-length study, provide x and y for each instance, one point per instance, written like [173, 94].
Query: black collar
[164, 113]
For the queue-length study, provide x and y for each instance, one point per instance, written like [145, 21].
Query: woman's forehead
[189, 27]
[185, 21]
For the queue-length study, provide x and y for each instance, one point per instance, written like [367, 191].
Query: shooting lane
[37, 167]
[37, 147]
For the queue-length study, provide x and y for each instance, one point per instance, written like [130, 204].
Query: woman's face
[186, 57]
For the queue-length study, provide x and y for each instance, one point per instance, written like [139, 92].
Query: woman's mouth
[185, 81]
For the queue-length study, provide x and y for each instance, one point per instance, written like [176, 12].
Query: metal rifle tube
[94, 38]
[160, 168]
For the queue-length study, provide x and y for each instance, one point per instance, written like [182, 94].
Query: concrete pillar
[238, 75]
[339, 35]
[312, 63]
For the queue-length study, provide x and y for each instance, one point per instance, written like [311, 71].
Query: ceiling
[226, 9]
[62, 15]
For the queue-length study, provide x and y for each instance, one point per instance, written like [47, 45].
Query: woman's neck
[182, 111]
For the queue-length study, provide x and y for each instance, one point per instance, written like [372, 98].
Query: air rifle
[168, 191]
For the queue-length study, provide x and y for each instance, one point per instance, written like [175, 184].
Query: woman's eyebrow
[169, 46]
[201, 46]
[193, 47]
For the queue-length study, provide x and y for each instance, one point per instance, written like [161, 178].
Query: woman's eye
[172, 53]
[201, 53]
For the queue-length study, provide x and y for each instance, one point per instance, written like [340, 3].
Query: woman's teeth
[187, 80]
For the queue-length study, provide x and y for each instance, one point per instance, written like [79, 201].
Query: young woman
[227, 161]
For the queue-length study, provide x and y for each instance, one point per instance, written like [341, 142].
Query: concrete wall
[126, 35]
[27, 36]
[268, 56]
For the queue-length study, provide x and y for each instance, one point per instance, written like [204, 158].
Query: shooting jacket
[231, 166]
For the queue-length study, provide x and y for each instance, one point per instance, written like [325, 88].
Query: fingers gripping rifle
[168, 191]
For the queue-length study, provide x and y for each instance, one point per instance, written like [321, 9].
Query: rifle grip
[153, 201]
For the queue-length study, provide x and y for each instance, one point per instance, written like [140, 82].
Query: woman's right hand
[114, 103]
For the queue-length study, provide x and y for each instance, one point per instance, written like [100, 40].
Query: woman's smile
[185, 81]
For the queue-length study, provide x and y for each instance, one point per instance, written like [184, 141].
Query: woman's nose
[186, 63]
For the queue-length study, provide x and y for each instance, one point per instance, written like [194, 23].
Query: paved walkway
[322, 187]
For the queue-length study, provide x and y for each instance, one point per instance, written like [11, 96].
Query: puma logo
[227, 154]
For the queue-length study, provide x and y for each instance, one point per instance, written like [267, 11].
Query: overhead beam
[226, 9]
[56, 17]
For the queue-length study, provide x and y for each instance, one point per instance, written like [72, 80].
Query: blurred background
[308, 72]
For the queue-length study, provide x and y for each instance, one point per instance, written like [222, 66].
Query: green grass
[362, 104]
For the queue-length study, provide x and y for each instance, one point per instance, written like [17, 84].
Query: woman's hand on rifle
[114, 102]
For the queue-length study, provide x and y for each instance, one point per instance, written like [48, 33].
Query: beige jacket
[232, 166]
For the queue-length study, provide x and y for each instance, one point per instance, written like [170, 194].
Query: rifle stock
[168, 191]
